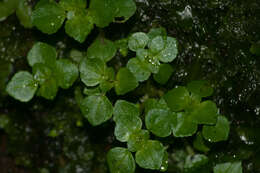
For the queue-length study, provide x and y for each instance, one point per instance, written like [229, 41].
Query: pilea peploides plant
[177, 113]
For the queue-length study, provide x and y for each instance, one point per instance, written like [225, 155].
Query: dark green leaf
[48, 89]
[137, 139]
[255, 48]
[165, 72]
[126, 81]
[154, 32]
[194, 162]
[24, 13]
[228, 167]
[126, 8]
[139, 69]
[7, 7]
[70, 5]
[48, 17]
[97, 109]
[200, 87]
[22, 86]
[41, 73]
[218, 132]
[120, 160]
[199, 143]
[123, 109]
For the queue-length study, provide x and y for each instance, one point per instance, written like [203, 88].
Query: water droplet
[52, 24]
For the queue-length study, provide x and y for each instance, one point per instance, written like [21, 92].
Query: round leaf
[102, 48]
[165, 72]
[154, 32]
[155, 104]
[72, 4]
[200, 87]
[126, 81]
[151, 155]
[139, 69]
[218, 132]
[41, 73]
[138, 41]
[177, 99]
[24, 13]
[48, 89]
[156, 44]
[137, 140]
[235, 167]
[48, 17]
[199, 143]
[42, 53]
[97, 109]
[120, 160]
[22, 86]
[124, 109]
[170, 51]
[126, 8]
[160, 122]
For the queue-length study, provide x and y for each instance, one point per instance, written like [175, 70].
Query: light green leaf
[125, 81]
[97, 109]
[41, 73]
[199, 143]
[48, 89]
[24, 13]
[200, 88]
[164, 74]
[92, 71]
[103, 49]
[139, 69]
[79, 25]
[157, 44]
[48, 17]
[142, 54]
[177, 99]
[42, 53]
[218, 132]
[70, 5]
[160, 122]
[67, 73]
[120, 160]
[185, 127]
[137, 41]
[194, 162]
[205, 113]
[235, 167]
[22, 86]
[137, 139]
[170, 51]
[151, 155]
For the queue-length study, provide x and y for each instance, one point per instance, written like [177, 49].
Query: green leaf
[120, 160]
[22, 86]
[255, 48]
[97, 109]
[165, 162]
[139, 69]
[125, 81]
[157, 44]
[42, 53]
[205, 113]
[155, 104]
[185, 126]
[70, 5]
[7, 7]
[142, 54]
[92, 71]
[24, 13]
[137, 139]
[92, 91]
[41, 73]
[151, 155]
[177, 99]
[79, 25]
[126, 116]
[200, 87]
[160, 122]
[199, 143]
[235, 167]
[154, 32]
[164, 74]
[137, 41]
[170, 51]
[194, 162]
[126, 8]
[76, 55]
[218, 132]
[103, 49]
[48, 89]
[67, 73]
[48, 17]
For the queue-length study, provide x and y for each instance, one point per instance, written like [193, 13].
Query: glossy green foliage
[22, 86]
[235, 167]
[125, 81]
[137, 139]
[217, 132]
[97, 109]
[139, 69]
[120, 160]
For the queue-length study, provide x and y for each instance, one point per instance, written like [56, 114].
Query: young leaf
[70, 5]
[165, 72]
[103, 49]
[137, 139]
[200, 87]
[160, 122]
[139, 69]
[22, 86]
[92, 71]
[126, 81]
[170, 51]
[235, 167]
[138, 41]
[205, 113]
[120, 160]
[185, 126]
[177, 99]
[151, 155]
[218, 132]
[67, 73]
[79, 25]
[42, 53]
[48, 17]
[97, 109]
